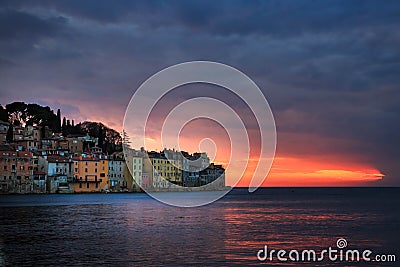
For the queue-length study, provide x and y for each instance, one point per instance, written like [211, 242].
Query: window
[5, 167]
[80, 184]
[95, 170]
[102, 174]
[87, 185]
[86, 170]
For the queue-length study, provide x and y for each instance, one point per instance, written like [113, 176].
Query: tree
[125, 139]
[64, 127]
[10, 134]
[58, 130]
[17, 111]
[100, 137]
[3, 114]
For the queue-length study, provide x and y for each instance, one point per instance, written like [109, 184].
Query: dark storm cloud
[17, 24]
[328, 68]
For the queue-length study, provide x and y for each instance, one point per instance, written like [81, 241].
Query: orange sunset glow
[290, 171]
[286, 170]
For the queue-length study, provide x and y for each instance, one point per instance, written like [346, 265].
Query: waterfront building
[39, 182]
[16, 172]
[134, 174]
[116, 172]
[202, 159]
[90, 173]
[213, 174]
[161, 170]
[59, 172]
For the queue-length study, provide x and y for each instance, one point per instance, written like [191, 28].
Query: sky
[330, 71]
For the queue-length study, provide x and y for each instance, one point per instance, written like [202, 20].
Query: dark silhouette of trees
[64, 127]
[125, 139]
[10, 134]
[100, 137]
[3, 114]
[108, 139]
[21, 113]
[58, 128]
[17, 111]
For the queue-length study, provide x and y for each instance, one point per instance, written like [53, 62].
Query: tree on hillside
[17, 111]
[3, 114]
[64, 127]
[100, 137]
[109, 139]
[10, 134]
[58, 128]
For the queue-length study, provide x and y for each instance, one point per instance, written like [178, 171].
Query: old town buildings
[38, 161]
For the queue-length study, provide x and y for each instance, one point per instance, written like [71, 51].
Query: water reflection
[133, 229]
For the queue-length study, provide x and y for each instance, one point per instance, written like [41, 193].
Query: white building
[59, 172]
[116, 172]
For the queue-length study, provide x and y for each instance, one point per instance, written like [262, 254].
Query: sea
[240, 229]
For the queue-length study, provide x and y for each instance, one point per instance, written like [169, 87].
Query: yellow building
[90, 174]
[162, 170]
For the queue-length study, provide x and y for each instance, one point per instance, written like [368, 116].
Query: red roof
[57, 158]
[85, 159]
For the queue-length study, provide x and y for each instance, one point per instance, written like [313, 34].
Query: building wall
[116, 174]
[59, 171]
[16, 172]
[137, 170]
[90, 174]
[75, 145]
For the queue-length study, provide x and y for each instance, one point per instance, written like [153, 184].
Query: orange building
[90, 174]
[16, 172]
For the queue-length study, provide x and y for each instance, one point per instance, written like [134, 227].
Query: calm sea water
[135, 230]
